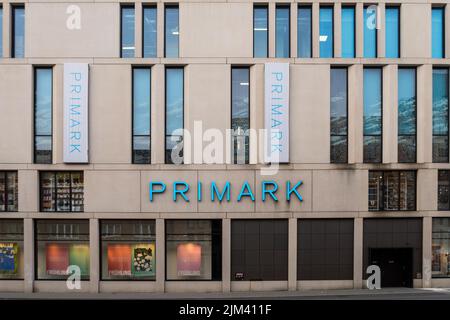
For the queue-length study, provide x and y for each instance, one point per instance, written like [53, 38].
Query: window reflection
[338, 113]
[437, 32]
[444, 190]
[282, 30]
[440, 115]
[440, 267]
[172, 32]
[240, 114]
[43, 101]
[392, 32]
[304, 31]
[141, 115]
[348, 31]
[260, 31]
[174, 115]
[326, 32]
[18, 32]
[149, 32]
[127, 29]
[407, 115]
[370, 33]
[372, 115]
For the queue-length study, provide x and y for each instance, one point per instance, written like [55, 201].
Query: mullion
[5, 194]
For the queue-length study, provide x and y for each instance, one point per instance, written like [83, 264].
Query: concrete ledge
[58, 286]
[12, 285]
[193, 286]
[259, 285]
[324, 284]
[127, 286]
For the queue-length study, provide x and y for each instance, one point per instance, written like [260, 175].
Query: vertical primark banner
[276, 112]
[76, 84]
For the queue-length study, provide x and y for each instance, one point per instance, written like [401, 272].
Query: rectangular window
[338, 113]
[60, 244]
[304, 31]
[438, 32]
[444, 190]
[348, 31]
[440, 115]
[149, 28]
[407, 104]
[194, 250]
[260, 31]
[128, 249]
[11, 249]
[282, 30]
[1, 31]
[18, 31]
[392, 32]
[259, 250]
[370, 32]
[240, 114]
[43, 110]
[141, 115]
[174, 115]
[326, 32]
[440, 265]
[392, 190]
[373, 114]
[172, 32]
[62, 191]
[127, 31]
[8, 191]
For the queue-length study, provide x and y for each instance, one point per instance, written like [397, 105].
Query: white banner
[76, 85]
[276, 112]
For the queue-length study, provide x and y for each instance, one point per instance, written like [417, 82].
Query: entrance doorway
[395, 265]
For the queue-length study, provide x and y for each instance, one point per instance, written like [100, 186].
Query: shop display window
[62, 191]
[11, 249]
[440, 267]
[8, 191]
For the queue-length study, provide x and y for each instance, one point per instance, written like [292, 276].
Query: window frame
[396, 7]
[353, 7]
[14, 7]
[309, 7]
[448, 114]
[365, 7]
[346, 118]
[172, 6]
[122, 7]
[144, 7]
[328, 6]
[288, 8]
[4, 173]
[265, 7]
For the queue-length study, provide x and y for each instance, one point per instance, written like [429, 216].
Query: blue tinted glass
[282, 32]
[43, 101]
[127, 21]
[370, 32]
[348, 32]
[19, 32]
[406, 101]
[141, 101]
[172, 32]
[372, 101]
[392, 32]
[437, 33]
[338, 101]
[440, 101]
[304, 33]
[326, 32]
[1, 32]
[149, 30]
[260, 28]
[240, 78]
[174, 99]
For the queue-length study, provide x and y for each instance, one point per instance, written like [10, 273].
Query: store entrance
[395, 265]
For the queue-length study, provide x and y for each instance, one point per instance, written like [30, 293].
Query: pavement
[350, 294]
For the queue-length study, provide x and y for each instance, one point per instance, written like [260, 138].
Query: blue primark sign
[214, 192]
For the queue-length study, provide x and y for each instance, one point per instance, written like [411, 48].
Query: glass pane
[444, 190]
[304, 33]
[326, 32]
[372, 101]
[437, 32]
[407, 190]
[372, 149]
[338, 149]
[11, 249]
[63, 191]
[1, 32]
[370, 33]
[174, 149]
[149, 30]
[391, 190]
[440, 267]
[260, 31]
[282, 46]
[174, 99]
[141, 101]
[128, 32]
[141, 149]
[12, 190]
[240, 112]
[348, 32]
[2, 191]
[172, 32]
[43, 101]
[48, 191]
[392, 32]
[338, 101]
[77, 185]
[375, 190]
[440, 115]
[43, 152]
[407, 149]
[440, 149]
[19, 32]
[406, 114]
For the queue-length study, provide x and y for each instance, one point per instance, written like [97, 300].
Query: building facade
[96, 98]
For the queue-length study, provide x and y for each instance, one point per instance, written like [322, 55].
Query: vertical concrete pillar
[226, 255]
[28, 253]
[292, 256]
[94, 252]
[358, 236]
[138, 29]
[315, 30]
[337, 30]
[294, 13]
[427, 251]
[424, 113]
[6, 30]
[158, 113]
[355, 114]
[390, 114]
[29, 190]
[160, 259]
[381, 31]
[160, 29]
[427, 186]
[359, 32]
[271, 29]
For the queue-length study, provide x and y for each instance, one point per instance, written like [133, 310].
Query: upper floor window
[1, 31]
[338, 112]
[440, 115]
[348, 32]
[407, 105]
[326, 32]
[174, 115]
[149, 32]
[43, 106]
[392, 32]
[304, 31]
[373, 114]
[8, 191]
[443, 190]
[61, 191]
[370, 32]
[282, 29]
[127, 31]
[141, 115]
[172, 31]
[240, 114]
[392, 190]
[260, 31]
[437, 32]
[18, 31]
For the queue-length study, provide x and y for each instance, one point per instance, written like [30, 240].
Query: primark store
[218, 145]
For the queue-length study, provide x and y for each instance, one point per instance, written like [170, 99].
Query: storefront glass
[440, 266]
[11, 249]
[60, 244]
[193, 250]
[62, 191]
[128, 250]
